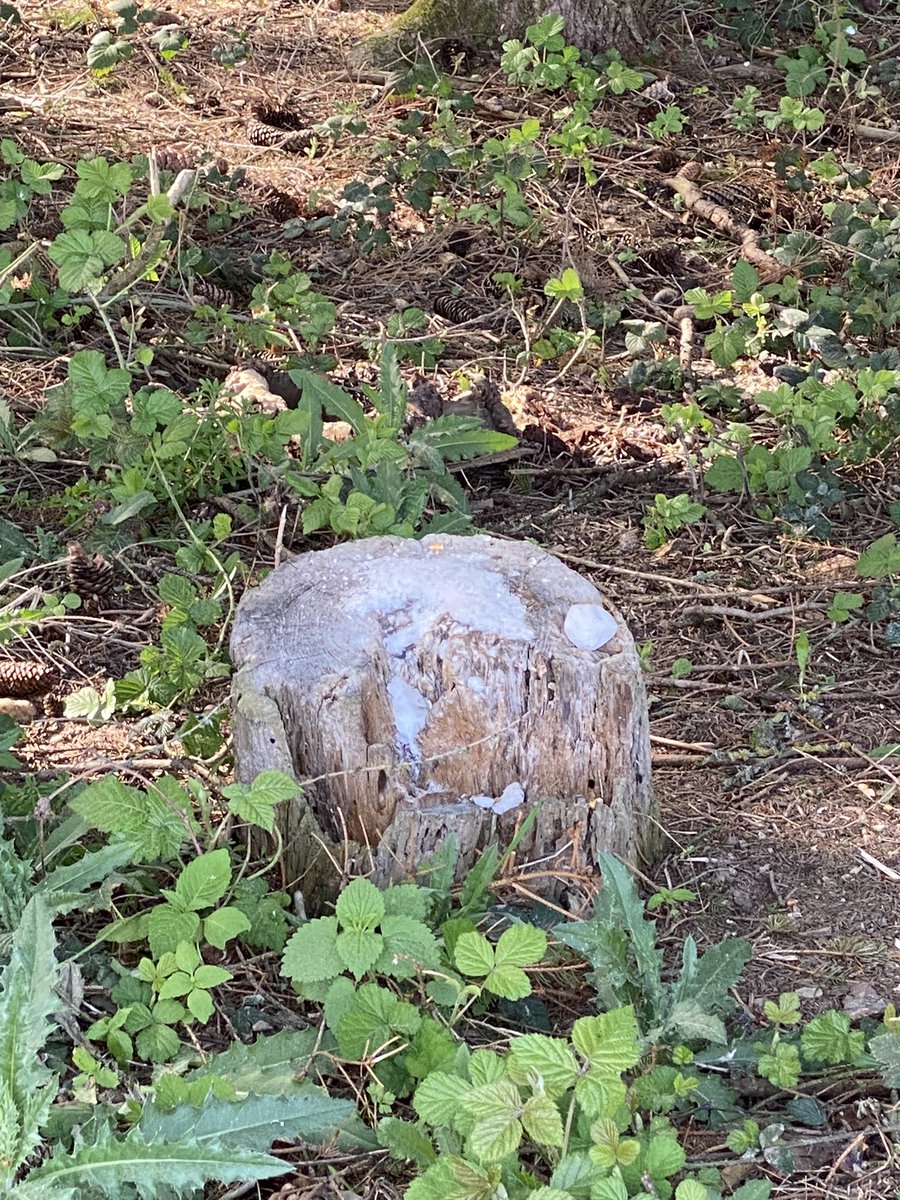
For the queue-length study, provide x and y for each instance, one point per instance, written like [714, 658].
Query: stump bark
[423, 689]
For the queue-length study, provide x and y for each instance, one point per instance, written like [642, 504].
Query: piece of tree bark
[423, 689]
[592, 25]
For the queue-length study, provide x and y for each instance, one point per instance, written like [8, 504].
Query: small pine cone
[53, 705]
[264, 135]
[206, 291]
[279, 116]
[90, 576]
[280, 206]
[21, 679]
[176, 158]
[456, 309]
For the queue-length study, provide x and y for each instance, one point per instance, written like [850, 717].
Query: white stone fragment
[589, 626]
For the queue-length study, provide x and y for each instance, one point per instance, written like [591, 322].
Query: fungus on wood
[423, 689]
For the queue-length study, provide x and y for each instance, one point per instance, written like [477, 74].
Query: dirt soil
[776, 811]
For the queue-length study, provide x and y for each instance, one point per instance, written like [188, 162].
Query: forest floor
[776, 811]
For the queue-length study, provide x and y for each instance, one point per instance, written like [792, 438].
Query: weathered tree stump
[422, 689]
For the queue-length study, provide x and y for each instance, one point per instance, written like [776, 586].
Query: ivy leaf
[204, 880]
[311, 954]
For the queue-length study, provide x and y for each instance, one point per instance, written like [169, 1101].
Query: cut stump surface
[423, 689]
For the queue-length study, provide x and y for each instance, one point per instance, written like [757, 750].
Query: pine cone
[176, 158]
[21, 679]
[281, 206]
[90, 576]
[743, 204]
[456, 309]
[279, 116]
[265, 135]
[206, 291]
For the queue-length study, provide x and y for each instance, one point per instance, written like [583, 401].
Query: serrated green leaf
[575, 1173]
[311, 954]
[409, 947]
[359, 950]
[473, 954]
[407, 900]
[663, 1157]
[440, 1099]
[520, 946]
[272, 1065]
[360, 906]
[106, 1169]
[609, 1041]
[166, 927]
[880, 559]
[157, 1043]
[535, 1057]
[406, 1141]
[321, 393]
[542, 1121]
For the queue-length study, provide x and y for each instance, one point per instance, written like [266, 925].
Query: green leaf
[256, 803]
[520, 946]
[409, 946]
[497, 1132]
[223, 925]
[511, 983]
[204, 880]
[106, 1169]
[609, 1041]
[542, 1121]
[392, 397]
[360, 906]
[535, 1057]
[200, 1005]
[725, 474]
[311, 954]
[663, 1157]
[89, 376]
[407, 900]
[167, 927]
[321, 393]
[270, 1066]
[441, 1098]
[886, 1049]
[744, 280]
[828, 1038]
[406, 1141]
[359, 950]
[157, 1043]
[474, 954]
[881, 559]
[575, 1174]
[376, 1019]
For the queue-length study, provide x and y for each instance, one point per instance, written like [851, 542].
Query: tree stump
[423, 689]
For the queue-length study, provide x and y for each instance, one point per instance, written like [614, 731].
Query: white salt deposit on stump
[437, 687]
